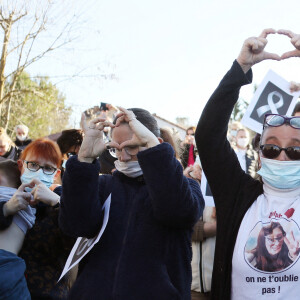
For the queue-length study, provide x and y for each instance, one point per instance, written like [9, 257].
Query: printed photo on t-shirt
[273, 246]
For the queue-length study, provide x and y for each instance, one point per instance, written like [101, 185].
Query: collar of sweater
[271, 192]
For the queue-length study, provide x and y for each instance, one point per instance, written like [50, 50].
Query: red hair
[45, 149]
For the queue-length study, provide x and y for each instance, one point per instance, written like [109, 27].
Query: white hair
[23, 127]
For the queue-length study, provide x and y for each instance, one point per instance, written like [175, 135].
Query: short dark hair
[146, 119]
[69, 138]
[10, 170]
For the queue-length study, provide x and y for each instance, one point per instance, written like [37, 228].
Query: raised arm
[81, 201]
[218, 159]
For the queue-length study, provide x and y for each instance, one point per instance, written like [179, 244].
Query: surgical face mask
[28, 176]
[233, 132]
[242, 142]
[130, 168]
[280, 174]
[21, 137]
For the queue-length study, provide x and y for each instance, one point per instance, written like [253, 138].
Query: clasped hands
[253, 49]
[21, 198]
[93, 144]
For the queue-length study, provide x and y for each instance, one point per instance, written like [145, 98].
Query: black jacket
[233, 190]
[145, 250]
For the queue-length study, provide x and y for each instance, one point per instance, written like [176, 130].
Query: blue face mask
[280, 174]
[28, 176]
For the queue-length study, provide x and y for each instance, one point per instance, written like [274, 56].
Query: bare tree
[27, 38]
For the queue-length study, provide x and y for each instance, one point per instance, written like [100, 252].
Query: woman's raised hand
[295, 40]
[293, 246]
[93, 144]
[253, 51]
[142, 136]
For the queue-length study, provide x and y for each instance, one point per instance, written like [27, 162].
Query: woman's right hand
[253, 51]
[20, 200]
[93, 144]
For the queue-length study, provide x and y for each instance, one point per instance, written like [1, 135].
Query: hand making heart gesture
[142, 136]
[295, 40]
[253, 49]
[93, 144]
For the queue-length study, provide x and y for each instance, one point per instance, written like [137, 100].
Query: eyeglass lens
[32, 166]
[277, 120]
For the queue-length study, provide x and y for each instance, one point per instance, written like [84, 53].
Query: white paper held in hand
[84, 245]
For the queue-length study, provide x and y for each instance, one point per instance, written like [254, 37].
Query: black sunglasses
[272, 151]
[274, 120]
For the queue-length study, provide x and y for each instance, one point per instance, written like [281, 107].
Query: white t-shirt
[265, 263]
[241, 155]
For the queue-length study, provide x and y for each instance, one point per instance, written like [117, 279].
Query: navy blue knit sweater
[145, 251]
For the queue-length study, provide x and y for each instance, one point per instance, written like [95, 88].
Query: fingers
[120, 119]
[292, 235]
[288, 33]
[129, 143]
[83, 122]
[24, 185]
[112, 145]
[128, 113]
[266, 32]
[92, 123]
[296, 41]
[294, 86]
[99, 124]
[35, 181]
[273, 56]
[294, 53]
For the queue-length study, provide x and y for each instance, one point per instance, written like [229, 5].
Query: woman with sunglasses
[145, 250]
[245, 205]
[45, 248]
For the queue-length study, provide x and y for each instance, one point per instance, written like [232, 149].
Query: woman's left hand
[295, 40]
[142, 136]
[43, 194]
[292, 245]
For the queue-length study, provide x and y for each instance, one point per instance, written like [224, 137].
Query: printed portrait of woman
[274, 251]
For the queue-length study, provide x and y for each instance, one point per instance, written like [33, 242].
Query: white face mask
[242, 142]
[21, 137]
[130, 168]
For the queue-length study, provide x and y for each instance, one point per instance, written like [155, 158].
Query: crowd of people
[160, 242]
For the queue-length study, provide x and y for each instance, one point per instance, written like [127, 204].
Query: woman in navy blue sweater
[145, 251]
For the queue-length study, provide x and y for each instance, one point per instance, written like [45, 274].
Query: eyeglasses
[34, 167]
[272, 151]
[273, 240]
[114, 152]
[274, 120]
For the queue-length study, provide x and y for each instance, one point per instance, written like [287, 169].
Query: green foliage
[239, 110]
[39, 105]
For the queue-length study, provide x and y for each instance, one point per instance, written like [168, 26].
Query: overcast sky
[167, 56]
